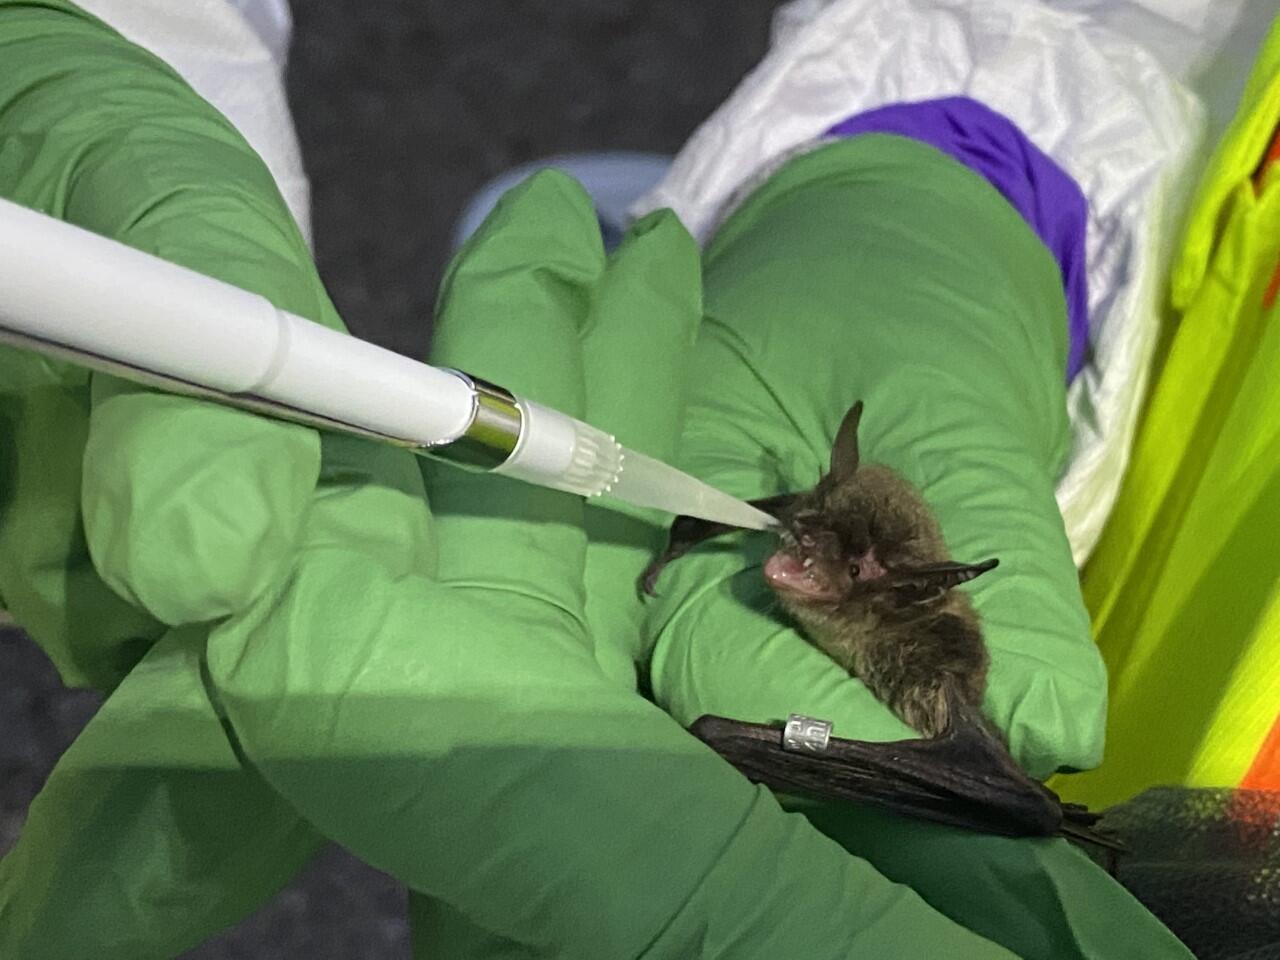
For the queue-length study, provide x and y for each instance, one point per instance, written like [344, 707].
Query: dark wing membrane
[964, 778]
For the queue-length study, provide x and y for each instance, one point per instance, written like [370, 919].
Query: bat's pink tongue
[786, 571]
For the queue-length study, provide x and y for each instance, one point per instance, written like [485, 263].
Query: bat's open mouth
[787, 573]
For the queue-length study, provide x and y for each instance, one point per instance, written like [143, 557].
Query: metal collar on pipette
[492, 432]
[525, 440]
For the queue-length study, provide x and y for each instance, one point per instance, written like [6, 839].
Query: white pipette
[73, 294]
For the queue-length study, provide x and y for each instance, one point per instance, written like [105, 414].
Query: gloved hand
[151, 831]
[850, 275]
[296, 648]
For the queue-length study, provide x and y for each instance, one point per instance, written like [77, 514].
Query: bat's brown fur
[912, 644]
[861, 538]
[863, 569]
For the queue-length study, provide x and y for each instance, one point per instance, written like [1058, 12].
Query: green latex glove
[845, 277]
[460, 732]
[123, 513]
[121, 146]
[858, 252]
[457, 730]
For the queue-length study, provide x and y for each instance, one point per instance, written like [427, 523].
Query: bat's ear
[844, 452]
[943, 576]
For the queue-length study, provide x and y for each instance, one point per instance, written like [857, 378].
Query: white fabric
[272, 21]
[1104, 106]
[1209, 44]
[232, 53]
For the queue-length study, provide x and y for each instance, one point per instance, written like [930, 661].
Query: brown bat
[863, 569]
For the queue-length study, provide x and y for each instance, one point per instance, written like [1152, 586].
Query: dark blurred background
[405, 108]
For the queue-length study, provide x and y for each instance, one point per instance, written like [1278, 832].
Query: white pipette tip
[647, 482]
[559, 451]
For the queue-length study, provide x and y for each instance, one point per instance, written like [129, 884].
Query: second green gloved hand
[879, 269]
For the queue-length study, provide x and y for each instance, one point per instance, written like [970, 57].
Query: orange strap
[1264, 774]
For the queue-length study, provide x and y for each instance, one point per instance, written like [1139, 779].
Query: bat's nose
[869, 566]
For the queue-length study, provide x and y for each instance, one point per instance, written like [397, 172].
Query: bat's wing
[963, 777]
[688, 532]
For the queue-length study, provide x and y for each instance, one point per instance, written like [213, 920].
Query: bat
[863, 569]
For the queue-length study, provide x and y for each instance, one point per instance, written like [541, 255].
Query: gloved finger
[122, 146]
[150, 834]
[636, 353]
[640, 334]
[511, 310]
[191, 530]
[92, 635]
[520, 287]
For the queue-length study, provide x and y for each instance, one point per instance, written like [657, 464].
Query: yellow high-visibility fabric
[1184, 588]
